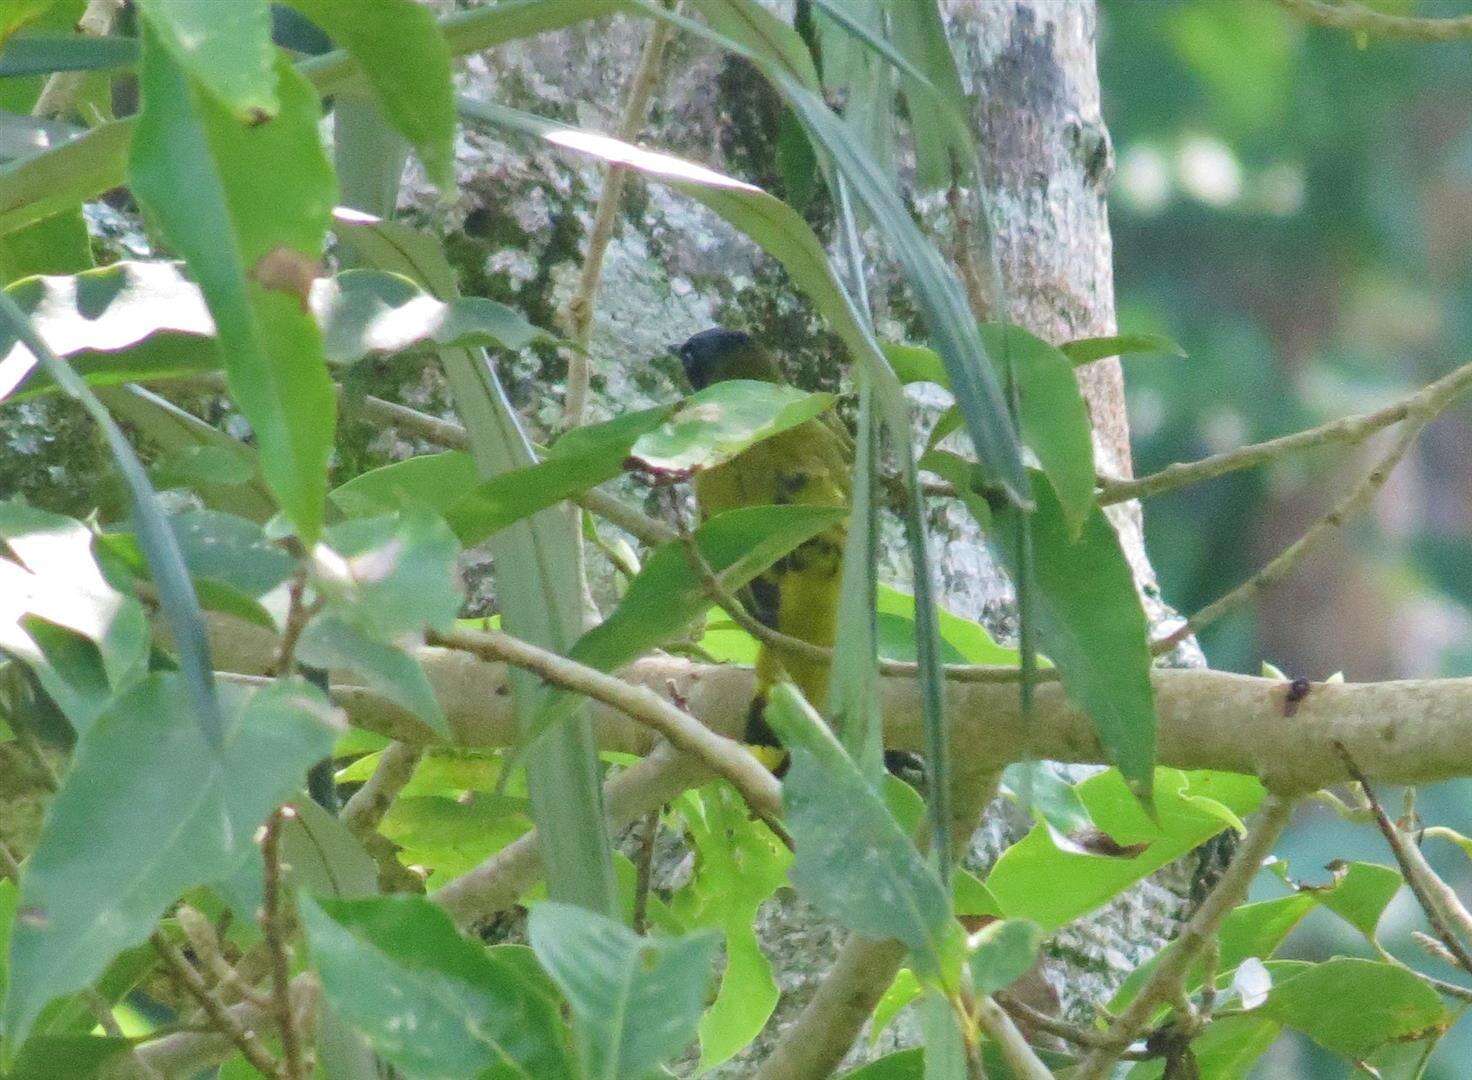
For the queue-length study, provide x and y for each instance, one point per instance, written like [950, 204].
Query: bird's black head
[706, 356]
[717, 354]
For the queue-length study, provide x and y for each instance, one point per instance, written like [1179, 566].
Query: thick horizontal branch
[1412, 731]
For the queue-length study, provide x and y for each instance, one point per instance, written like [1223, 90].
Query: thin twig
[273, 928]
[241, 1037]
[205, 944]
[1443, 910]
[1051, 1025]
[1176, 959]
[644, 872]
[725, 757]
[1348, 431]
[1020, 1057]
[1285, 561]
[365, 810]
[60, 92]
[1358, 19]
[450, 434]
[298, 615]
[578, 314]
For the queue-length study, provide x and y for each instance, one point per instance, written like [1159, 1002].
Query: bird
[807, 465]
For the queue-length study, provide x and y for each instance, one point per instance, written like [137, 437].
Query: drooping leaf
[437, 1006]
[1353, 1006]
[934, 98]
[1091, 625]
[1002, 952]
[254, 249]
[739, 865]
[146, 811]
[854, 861]
[227, 50]
[1087, 350]
[406, 63]
[1359, 894]
[1034, 879]
[635, 1001]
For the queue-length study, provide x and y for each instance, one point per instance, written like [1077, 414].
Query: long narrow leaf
[533, 590]
[254, 249]
[942, 301]
[176, 593]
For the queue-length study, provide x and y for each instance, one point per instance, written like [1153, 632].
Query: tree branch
[1408, 731]
[365, 810]
[724, 757]
[1359, 19]
[1174, 962]
[1288, 558]
[1348, 431]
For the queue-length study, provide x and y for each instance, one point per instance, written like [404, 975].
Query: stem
[1348, 431]
[365, 810]
[242, 1037]
[60, 92]
[1280, 566]
[273, 927]
[1175, 961]
[1358, 19]
[724, 757]
[1444, 911]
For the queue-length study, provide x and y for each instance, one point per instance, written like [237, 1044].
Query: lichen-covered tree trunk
[520, 227]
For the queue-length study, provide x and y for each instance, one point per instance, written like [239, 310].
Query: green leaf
[43, 54]
[373, 313]
[169, 428]
[1087, 350]
[1092, 626]
[934, 98]
[1051, 410]
[226, 50]
[1227, 1050]
[56, 581]
[668, 595]
[453, 835]
[127, 321]
[332, 643]
[146, 811]
[710, 428]
[1359, 894]
[1034, 879]
[406, 64]
[540, 601]
[739, 865]
[437, 1006]
[394, 575]
[55, 245]
[1354, 1006]
[369, 156]
[854, 861]
[853, 682]
[1052, 414]
[635, 1001]
[253, 247]
[66, 1057]
[1002, 952]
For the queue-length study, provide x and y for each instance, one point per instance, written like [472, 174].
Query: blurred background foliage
[1295, 207]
